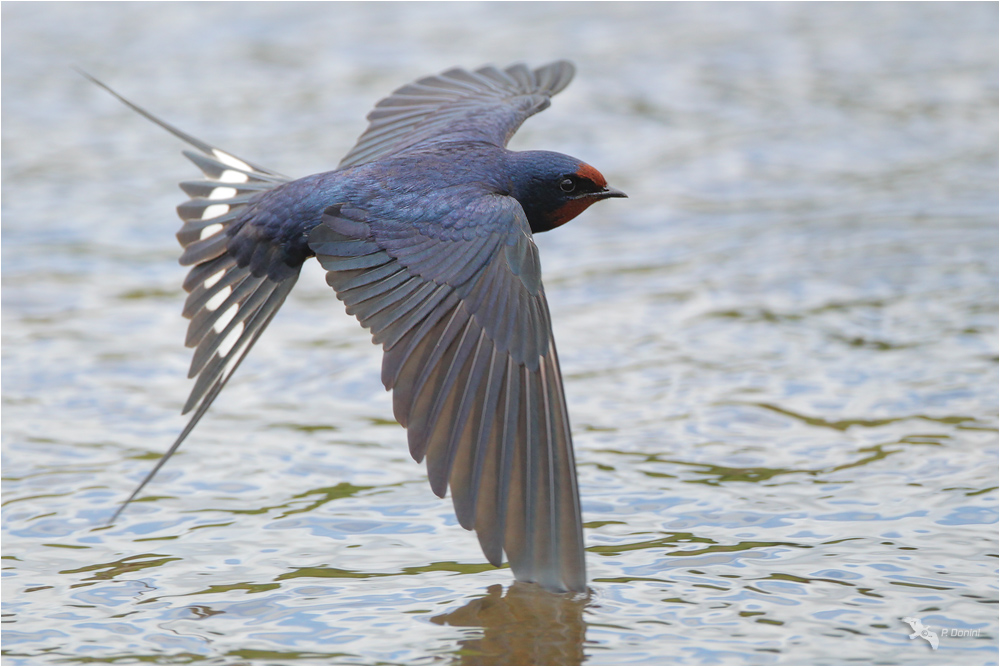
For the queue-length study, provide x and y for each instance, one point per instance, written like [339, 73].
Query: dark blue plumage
[425, 231]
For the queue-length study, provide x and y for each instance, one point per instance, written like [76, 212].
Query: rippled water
[780, 352]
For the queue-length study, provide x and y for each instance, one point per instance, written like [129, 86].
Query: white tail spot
[217, 300]
[229, 342]
[209, 231]
[214, 211]
[222, 193]
[227, 159]
[211, 280]
[234, 359]
[230, 176]
[225, 318]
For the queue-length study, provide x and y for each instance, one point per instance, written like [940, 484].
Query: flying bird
[426, 232]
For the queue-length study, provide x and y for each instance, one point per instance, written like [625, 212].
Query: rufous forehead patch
[591, 174]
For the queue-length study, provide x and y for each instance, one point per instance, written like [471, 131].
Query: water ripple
[780, 353]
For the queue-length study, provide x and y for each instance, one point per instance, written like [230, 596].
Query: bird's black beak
[608, 193]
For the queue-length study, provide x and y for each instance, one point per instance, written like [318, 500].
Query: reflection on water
[780, 353]
[527, 625]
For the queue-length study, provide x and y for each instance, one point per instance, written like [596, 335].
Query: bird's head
[553, 188]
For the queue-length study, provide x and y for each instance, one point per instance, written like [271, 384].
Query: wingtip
[563, 64]
[556, 75]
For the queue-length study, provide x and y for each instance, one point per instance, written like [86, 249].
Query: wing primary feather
[404, 102]
[400, 306]
[548, 472]
[474, 79]
[471, 485]
[455, 326]
[445, 396]
[530, 453]
[570, 534]
[436, 106]
[400, 119]
[521, 74]
[462, 426]
[505, 294]
[517, 536]
[446, 82]
[491, 519]
[419, 408]
[405, 361]
[399, 352]
[503, 78]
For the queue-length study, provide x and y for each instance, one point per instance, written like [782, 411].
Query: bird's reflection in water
[527, 626]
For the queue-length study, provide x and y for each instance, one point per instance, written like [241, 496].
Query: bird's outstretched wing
[230, 298]
[488, 104]
[469, 356]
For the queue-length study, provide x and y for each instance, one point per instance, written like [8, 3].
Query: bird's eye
[567, 185]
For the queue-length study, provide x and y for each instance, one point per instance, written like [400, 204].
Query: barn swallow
[426, 231]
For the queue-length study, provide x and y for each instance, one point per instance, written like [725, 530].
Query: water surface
[780, 353]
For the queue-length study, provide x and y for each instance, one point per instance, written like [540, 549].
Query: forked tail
[230, 299]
